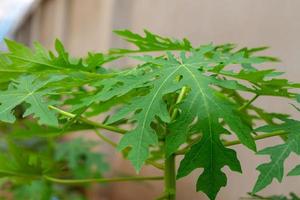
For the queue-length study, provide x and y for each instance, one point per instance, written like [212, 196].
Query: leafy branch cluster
[186, 101]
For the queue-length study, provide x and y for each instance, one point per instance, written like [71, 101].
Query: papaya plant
[184, 104]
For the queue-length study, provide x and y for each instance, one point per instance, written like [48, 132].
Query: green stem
[257, 137]
[248, 103]
[170, 178]
[102, 180]
[236, 142]
[105, 139]
[170, 162]
[89, 122]
[155, 164]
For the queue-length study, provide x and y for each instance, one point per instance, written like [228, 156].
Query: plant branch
[89, 122]
[102, 180]
[236, 142]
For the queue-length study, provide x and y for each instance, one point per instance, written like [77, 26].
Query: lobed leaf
[32, 91]
[278, 153]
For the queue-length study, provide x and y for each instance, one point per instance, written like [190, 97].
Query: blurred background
[87, 26]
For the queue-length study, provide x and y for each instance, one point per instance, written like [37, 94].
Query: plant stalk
[170, 162]
[248, 103]
[102, 180]
[170, 178]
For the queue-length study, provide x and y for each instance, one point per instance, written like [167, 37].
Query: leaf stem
[90, 122]
[236, 142]
[248, 103]
[155, 164]
[257, 137]
[105, 139]
[102, 180]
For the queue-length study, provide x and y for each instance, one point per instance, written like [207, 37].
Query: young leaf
[30, 90]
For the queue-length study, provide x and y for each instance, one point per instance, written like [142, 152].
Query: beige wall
[86, 25]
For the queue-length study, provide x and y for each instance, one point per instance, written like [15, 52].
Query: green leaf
[291, 196]
[298, 98]
[20, 163]
[36, 190]
[278, 154]
[80, 158]
[263, 82]
[8, 70]
[39, 59]
[295, 171]
[29, 129]
[149, 42]
[30, 90]
[115, 87]
[211, 155]
[172, 76]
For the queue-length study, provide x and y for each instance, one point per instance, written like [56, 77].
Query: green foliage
[185, 101]
[278, 153]
[150, 42]
[80, 159]
[292, 196]
[211, 155]
[36, 190]
[28, 162]
[29, 90]
[295, 171]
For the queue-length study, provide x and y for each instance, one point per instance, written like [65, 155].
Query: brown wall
[87, 25]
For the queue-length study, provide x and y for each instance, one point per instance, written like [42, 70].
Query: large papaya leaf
[170, 77]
